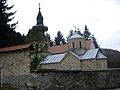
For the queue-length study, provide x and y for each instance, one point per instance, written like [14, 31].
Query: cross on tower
[39, 6]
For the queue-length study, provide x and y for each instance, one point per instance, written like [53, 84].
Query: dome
[75, 36]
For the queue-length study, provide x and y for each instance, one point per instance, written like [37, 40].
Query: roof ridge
[14, 48]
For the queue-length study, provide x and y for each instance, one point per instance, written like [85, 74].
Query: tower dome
[76, 36]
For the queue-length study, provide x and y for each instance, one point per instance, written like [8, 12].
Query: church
[77, 54]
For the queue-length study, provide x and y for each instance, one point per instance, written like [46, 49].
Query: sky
[101, 16]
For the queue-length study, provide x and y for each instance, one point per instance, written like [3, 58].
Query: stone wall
[50, 66]
[15, 63]
[67, 80]
[77, 45]
[94, 64]
[69, 62]
[101, 63]
[76, 80]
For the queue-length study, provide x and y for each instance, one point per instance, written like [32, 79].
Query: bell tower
[77, 43]
[39, 17]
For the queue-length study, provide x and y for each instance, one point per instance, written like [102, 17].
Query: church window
[80, 45]
[73, 45]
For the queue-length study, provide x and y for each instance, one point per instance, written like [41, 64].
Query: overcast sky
[101, 16]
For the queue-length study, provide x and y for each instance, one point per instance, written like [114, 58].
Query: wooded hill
[113, 57]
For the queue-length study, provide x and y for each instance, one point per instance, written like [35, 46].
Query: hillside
[113, 57]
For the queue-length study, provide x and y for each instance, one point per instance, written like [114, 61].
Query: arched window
[73, 45]
[80, 45]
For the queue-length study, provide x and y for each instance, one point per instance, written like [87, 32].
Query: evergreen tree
[59, 39]
[79, 32]
[49, 39]
[95, 42]
[71, 32]
[86, 32]
[8, 36]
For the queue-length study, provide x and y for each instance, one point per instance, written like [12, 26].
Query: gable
[93, 54]
[57, 58]
[72, 55]
[70, 61]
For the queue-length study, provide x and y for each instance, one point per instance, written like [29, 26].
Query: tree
[113, 56]
[37, 37]
[71, 32]
[95, 42]
[79, 32]
[49, 39]
[86, 32]
[8, 36]
[59, 39]
[36, 34]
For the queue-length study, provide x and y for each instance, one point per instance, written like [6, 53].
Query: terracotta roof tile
[88, 44]
[59, 49]
[15, 48]
[63, 48]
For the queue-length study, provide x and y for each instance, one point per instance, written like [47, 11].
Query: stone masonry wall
[94, 64]
[15, 63]
[76, 80]
[69, 62]
[50, 66]
[77, 43]
[68, 80]
[102, 63]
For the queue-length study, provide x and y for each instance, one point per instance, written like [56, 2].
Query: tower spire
[39, 6]
[39, 17]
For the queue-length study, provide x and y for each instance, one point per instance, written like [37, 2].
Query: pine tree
[59, 39]
[8, 36]
[79, 32]
[71, 32]
[95, 42]
[49, 39]
[86, 32]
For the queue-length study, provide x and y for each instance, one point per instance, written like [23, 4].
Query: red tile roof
[59, 48]
[63, 48]
[15, 48]
[88, 44]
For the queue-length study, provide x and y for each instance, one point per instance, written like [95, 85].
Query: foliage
[59, 39]
[8, 36]
[86, 32]
[37, 36]
[49, 39]
[71, 33]
[79, 32]
[113, 58]
[95, 42]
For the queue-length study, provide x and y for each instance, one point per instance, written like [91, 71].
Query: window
[73, 45]
[80, 45]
